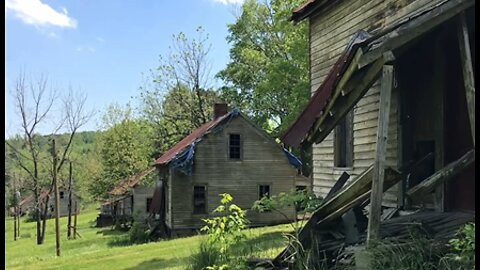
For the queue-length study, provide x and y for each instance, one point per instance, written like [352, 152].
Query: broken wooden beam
[442, 175]
[337, 186]
[467, 68]
[416, 27]
[360, 185]
[376, 195]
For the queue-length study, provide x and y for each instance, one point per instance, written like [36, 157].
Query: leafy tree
[267, 76]
[179, 98]
[124, 148]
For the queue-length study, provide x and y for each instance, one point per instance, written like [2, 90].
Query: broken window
[263, 191]
[199, 199]
[62, 195]
[343, 142]
[234, 146]
[149, 202]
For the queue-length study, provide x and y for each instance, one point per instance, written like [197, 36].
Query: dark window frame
[343, 142]
[262, 192]
[205, 194]
[237, 147]
[61, 194]
[148, 203]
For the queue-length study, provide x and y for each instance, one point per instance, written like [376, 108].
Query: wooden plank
[379, 165]
[340, 86]
[360, 185]
[442, 175]
[415, 28]
[338, 185]
[362, 83]
[468, 76]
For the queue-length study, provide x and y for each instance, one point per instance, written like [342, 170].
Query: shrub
[207, 255]
[462, 250]
[223, 231]
[139, 233]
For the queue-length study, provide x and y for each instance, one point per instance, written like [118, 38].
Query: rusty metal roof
[187, 141]
[128, 183]
[307, 8]
[299, 129]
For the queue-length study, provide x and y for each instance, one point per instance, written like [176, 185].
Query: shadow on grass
[154, 264]
[109, 231]
[261, 242]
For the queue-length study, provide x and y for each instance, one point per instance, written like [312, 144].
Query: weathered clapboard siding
[140, 196]
[263, 163]
[63, 203]
[330, 31]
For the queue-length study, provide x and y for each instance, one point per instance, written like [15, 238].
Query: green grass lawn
[96, 248]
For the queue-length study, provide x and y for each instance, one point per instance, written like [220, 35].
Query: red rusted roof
[187, 141]
[302, 11]
[298, 130]
[129, 182]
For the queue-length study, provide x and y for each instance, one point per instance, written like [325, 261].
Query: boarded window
[343, 155]
[62, 195]
[199, 199]
[234, 146]
[263, 191]
[149, 202]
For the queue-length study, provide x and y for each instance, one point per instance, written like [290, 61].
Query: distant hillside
[84, 156]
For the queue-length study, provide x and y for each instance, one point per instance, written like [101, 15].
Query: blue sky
[103, 46]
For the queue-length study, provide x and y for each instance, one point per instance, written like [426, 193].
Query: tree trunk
[37, 217]
[57, 203]
[69, 223]
[44, 218]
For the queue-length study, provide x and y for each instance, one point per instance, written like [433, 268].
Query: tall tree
[268, 71]
[180, 96]
[125, 148]
[34, 101]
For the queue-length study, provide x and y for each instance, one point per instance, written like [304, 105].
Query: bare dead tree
[74, 117]
[35, 92]
[34, 101]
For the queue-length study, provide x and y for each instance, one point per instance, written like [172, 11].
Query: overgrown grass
[422, 253]
[102, 248]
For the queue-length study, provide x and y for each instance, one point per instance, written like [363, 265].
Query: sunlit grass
[94, 250]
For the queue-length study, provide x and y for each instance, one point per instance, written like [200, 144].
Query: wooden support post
[57, 202]
[69, 222]
[468, 76]
[75, 222]
[379, 165]
[15, 212]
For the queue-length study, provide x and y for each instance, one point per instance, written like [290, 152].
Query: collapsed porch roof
[357, 69]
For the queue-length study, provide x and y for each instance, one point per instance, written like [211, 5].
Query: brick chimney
[219, 109]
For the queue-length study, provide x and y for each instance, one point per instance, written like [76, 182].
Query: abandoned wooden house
[27, 205]
[130, 198]
[393, 111]
[230, 155]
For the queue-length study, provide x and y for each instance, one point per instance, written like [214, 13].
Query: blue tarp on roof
[184, 161]
[293, 159]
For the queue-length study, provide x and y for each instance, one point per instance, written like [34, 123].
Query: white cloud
[52, 35]
[100, 40]
[228, 2]
[39, 14]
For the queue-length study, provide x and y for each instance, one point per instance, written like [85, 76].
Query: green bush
[224, 230]
[462, 250]
[139, 233]
[206, 256]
